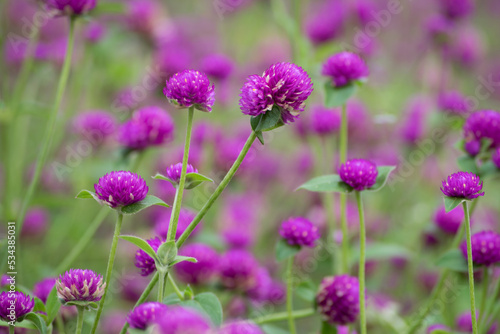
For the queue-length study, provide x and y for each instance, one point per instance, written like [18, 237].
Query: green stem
[362, 255]
[143, 298]
[484, 297]
[284, 316]
[172, 228]
[79, 320]
[177, 291]
[49, 132]
[161, 284]
[12, 329]
[109, 269]
[59, 324]
[217, 191]
[489, 307]
[289, 295]
[343, 197]
[470, 267]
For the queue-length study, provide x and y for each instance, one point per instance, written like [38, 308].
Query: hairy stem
[362, 256]
[470, 267]
[289, 295]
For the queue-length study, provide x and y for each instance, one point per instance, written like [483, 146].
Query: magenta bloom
[453, 102]
[457, 9]
[344, 68]
[71, 7]
[145, 262]
[174, 171]
[240, 327]
[149, 126]
[462, 185]
[485, 248]
[121, 188]
[218, 66]
[338, 299]
[325, 23]
[299, 231]
[23, 304]
[146, 314]
[94, 32]
[80, 285]
[449, 222]
[324, 121]
[434, 327]
[495, 157]
[284, 85]
[42, 289]
[238, 270]
[360, 174]
[202, 271]
[190, 88]
[95, 125]
[464, 324]
[35, 221]
[181, 320]
[479, 125]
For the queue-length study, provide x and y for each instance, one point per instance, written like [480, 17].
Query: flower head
[485, 248]
[338, 299]
[479, 125]
[324, 121]
[360, 174]
[200, 272]
[23, 304]
[43, 288]
[145, 262]
[35, 221]
[284, 85]
[146, 314]
[299, 231]
[462, 185]
[456, 9]
[183, 320]
[121, 188]
[190, 88]
[344, 68]
[238, 270]
[174, 171]
[80, 285]
[240, 327]
[464, 323]
[326, 23]
[218, 66]
[96, 125]
[71, 7]
[451, 221]
[453, 102]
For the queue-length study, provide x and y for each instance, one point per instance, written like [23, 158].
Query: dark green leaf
[270, 329]
[141, 205]
[260, 137]
[142, 244]
[195, 179]
[383, 175]
[85, 194]
[467, 164]
[38, 321]
[326, 328]
[159, 176]
[451, 203]
[180, 258]
[212, 306]
[108, 8]
[24, 324]
[285, 250]
[82, 303]
[326, 183]
[188, 292]
[167, 252]
[268, 121]
[307, 291]
[52, 305]
[171, 299]
[453, 260]
[255, 121]
[39, 306]
[337, 96]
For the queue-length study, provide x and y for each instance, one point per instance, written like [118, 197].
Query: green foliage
[284, 250]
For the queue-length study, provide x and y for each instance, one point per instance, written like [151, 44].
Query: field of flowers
[250, 166]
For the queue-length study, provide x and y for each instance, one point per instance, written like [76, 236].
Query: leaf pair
[266, 122]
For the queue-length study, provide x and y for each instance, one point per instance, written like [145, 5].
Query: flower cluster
[344, 68]
[202, 271]
[360, 174]
[465, 185]
[190, 88]
[174, 171]
[80, 285]
[481, 124]
[299, 231]
[485, 248]
[23, 304]
[146, 314]
[121, 188]
[338, 299]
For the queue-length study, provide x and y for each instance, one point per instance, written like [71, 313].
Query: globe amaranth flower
[35, 222]
[453, 102]
[183, 320]
[240, 327]
[344, 68]
[80, 285]
[14, 305]
[462, 185]
[325, 23]
[238, 269]
[146, 314]
[71, 7]
[324, 121]
[495, 157]
[94, 32]
[174, 171]
[43, 288]
[145, 262]
[190, 88]
[218, 66]
[435, 327]
[360, 174]
[481, 124]
[149, 126]
[485, 248]
[200, 272]
[284, 85]
[449, 222]
[299, 231]
[121, 188]
[259, 292]
[464, 323]
[95, 125]
[338, 299]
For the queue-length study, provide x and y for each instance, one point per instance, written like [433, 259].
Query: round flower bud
[181, 320]
[190, 88]
[43, 288]
[453, 102]
[146, 314]
[200, 272]
[80, 285]
[299, 231]
[449, 222]
[121, 188]
[338, 299]
[174, 171]
[324, 121]
[218, 66]
[479, 125]
[35, 222]
[22, 305]
[240, 327]
[238, 269]
[462, 185]
[344, 68]
[71, 7]
[360, 174]
[485, 248]
[145, 262]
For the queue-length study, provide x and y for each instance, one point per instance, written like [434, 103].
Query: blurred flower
[121, 188]
[462, 185]
[174, 171]
[345, 330]
[71, 7]
[173, 58]
[285, 85]
[495, 157]
[203, 133]
[326, 22]
[145, 262]
[190, 88]
[43, 288]
[485, 248]
[324, 121]
[434, 327]
[299, 231]
[35, 222]
[95, 125]
[467, 47]
[186, 216]
[181, 320]
[146, 314]
[23, 304]
[451, 221]
[112, 322]
[360, 174]
[338, 299]
[481, 124]
[259, 291]
[238, 269]
[218, 66]
[414, 125]
[457, 9]
[94, 31]
[240, 327]
[344, 68]
[200, 272]
[142, 15]
[464, 323]
[439, 29]
[80, 285]
[453, 102]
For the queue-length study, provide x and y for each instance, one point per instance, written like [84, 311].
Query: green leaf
[453, 260]
[211, 305]
[440, 331]
[180, 258]
[188, 292]
[52, 305]
[141, 205]
[383, 175]
[142, 244]
[459, 145]
[307, 291]
[326, 183]
[159, 176]
[270, 329]
[108, 8]
[337, 96]
[284, 250]
[39, 306]
[488, 168]
[326, 328]
[167, 252]
[171, 299]
[24, 324]
[467, 164]
[85, 194]
[195, 179]
[451, 203]
[268, 121]
[82, 303]
[260, 137]
[38, 321]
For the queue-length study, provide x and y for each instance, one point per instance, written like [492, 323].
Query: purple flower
[71, 7]
[146, 314]
[238, 269]
[200, 272]
[190, 88]
[338, 299]
[284, 85]
[121, 188]
[360, 174]
[453, 102]
[456, 9]
[345, 330]
[344, 68]
[181, 320]
[464, 323]
[35, 221]
[186, 216]
[434, 327]
[324, 121]
[414, 125]
[23, 304]
[451, 221]
[462, 185]
[43, 288]
[218, 66]
[479, 125]
[95, 125]
[495, 157]
[485, 248]
[240, 327]
[439, 28]
[299, 231]
[94, 32]
[259, 292]
[80, 285]
[174, 171]
[326, 23]
[145, 262]
[149, 126]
